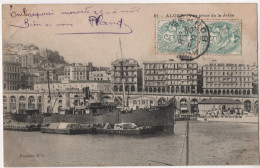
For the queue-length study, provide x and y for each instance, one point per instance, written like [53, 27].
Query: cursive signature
[93, 20]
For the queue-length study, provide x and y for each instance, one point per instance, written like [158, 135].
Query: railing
[190, 94]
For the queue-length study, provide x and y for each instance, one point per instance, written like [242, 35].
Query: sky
[133, 24]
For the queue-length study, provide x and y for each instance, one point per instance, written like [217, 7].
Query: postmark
[186, 36]
[225, 37]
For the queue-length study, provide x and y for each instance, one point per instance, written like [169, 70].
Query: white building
[99, 75]
[93, 85]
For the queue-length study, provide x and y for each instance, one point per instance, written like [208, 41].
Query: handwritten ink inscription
[94, 18]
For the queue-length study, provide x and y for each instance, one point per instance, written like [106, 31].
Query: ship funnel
[86, 93]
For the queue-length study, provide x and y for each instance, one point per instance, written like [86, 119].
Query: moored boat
[124, 129]
[16, 126]
[67, 128]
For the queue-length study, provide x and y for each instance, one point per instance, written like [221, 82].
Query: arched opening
[184, 105]
[256, 107]
[115, 88]
[182, 89]
[163, 89]
[120, 88]
[132, 88]
[236, 92]
[168, 89]
[244, 92]
[211, 91]
[194, 106]
[207, 91]
[224, 91]
[146, 89]
[31, 103]
[5, 103]
[247, 105]
[172, 89]
[22, 103]
[219, 91]
[248, 92]
[177, 89]
[215, 91]
[126, 88]
[232, 92]
[227, 91]
[161, 101]
[12, 103]
[240, 92]
[154, 89]
[76, 100]
[159, 89]
[150, 90]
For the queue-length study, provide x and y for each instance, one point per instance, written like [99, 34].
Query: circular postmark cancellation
[186, 36]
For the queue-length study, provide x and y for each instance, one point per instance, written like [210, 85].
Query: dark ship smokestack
[86, 93]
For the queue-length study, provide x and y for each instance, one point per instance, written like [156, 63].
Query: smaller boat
[19, 126]
[67, 128]
[246, 118]
[124, 129]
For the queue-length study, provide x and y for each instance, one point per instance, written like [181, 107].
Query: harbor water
[211, 143]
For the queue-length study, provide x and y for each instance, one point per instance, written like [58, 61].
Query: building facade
[227, 79]
[77, 71]
[12, 75]
[170, 76]
[124, 70]
[99, 75]
[59, 86]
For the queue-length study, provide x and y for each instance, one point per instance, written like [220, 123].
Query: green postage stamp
[192, 37]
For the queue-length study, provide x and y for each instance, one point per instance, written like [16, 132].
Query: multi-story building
[12, 75]
[170, 76]
[77, 71]
[124, 70]
[227, 79]
[255, 78]
[99, 75]
[29, 60]
[93, 85]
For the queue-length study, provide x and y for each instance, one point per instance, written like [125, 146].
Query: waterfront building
[170, 76]
[219, 106]
[99, 75]
[77, 71]
[126, 70]
[12, 75]
[18, 101]
[227, 79]
[93, 85]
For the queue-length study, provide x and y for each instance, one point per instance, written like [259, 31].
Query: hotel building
[170, 76]
[126, 69]
[227, 79]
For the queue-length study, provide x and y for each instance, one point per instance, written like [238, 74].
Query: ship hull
[162, 119]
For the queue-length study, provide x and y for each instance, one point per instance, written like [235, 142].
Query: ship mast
[48, 78]
[122, 74]
[187, 143]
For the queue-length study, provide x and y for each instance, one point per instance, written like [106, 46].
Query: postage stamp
[225, 37]
[185, 36]
[190, 37]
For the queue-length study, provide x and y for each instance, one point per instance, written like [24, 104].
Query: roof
[220, 101]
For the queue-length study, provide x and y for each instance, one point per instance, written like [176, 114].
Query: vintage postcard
[130, 84]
